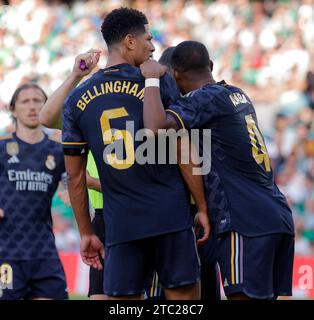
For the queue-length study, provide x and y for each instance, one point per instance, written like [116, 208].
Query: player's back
[141, 200]
[252, 204]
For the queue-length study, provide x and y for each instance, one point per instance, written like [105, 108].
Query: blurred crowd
[265, 47]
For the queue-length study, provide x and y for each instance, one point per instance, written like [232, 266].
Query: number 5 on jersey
[110, 136]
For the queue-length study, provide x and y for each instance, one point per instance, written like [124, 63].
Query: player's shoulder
[127, 71]
[8, 142]
[167, 78]
[217, 92]
[54, 148]
[214, 89]
[6, 137]
[54, 143]
[168, 82]
[84, 85]
[55, 140]
[123, 71]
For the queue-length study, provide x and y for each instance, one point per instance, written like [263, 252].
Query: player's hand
[1, 214]
[152, 69]
[90, 249]
[201, 221]
[89, 59]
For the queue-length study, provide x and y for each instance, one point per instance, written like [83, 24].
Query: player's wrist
[86, 231]
[202, 208]
[152, 82]
[75, 76]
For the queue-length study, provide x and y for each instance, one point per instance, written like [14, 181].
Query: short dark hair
[191, 56]
[29, 85]
[165, 58]
[120, 22]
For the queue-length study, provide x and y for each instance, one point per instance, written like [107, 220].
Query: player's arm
[75, 150]
[77, 186]
[50, 114]
[154, 115]
[1, 214]
[75, 167]
[156, 118]
[187, 156]
[93, 183]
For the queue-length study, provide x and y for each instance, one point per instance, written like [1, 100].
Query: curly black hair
[120, 22]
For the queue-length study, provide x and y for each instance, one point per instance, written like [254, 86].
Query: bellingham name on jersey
[139, 200]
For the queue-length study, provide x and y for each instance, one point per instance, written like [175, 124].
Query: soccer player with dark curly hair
[149, 226]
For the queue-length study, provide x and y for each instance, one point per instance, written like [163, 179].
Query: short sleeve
[169, 90]
[72, 138]
[193, 110]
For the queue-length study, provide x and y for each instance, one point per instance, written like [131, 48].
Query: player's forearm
[79, 200]
[77, 188]
[196, 187]
[93, 183]
[154, 114]
[50, 114]
[194, 182]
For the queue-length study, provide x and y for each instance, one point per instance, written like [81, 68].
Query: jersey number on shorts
[110, 136]
[259, 155]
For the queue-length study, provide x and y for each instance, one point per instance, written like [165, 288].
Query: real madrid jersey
[104, 114]
[242, 194]
[29, 177]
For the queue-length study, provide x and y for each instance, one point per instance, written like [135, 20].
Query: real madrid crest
[50, 162]
[13, 149]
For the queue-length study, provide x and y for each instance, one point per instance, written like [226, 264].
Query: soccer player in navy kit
[50, 116]
[147, 217]
[31, 167]
[210, 282]
[253, 219]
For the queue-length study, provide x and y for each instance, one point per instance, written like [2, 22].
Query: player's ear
[211, 65]
[175, 74]
[129, 42]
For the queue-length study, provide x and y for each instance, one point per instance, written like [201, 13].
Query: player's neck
[197, 84]
[115, 58]
[205, 81]
[29, 135]
[196, 81]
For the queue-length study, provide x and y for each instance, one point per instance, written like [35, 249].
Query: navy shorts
[129, 266]
[29, 279]
[210, 280]
[260, 267]
[210, 288]
[96, 277]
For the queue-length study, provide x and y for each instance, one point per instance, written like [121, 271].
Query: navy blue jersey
[241, 191]
[29, 177]
[140, 200]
